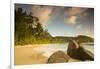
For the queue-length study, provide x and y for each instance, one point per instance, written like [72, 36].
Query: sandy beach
[24, 55]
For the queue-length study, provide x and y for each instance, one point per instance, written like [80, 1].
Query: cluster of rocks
[75, 50]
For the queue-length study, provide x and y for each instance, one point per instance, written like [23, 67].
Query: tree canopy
[28, 28]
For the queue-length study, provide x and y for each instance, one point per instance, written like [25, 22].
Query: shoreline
[32, 54]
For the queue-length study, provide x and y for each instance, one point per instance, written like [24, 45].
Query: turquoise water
[49, 49]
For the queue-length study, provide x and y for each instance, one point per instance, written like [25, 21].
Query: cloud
[72, 14]
[76, 11]
[43, 13]
[72, 20]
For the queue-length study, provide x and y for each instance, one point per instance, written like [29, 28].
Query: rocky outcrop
[78, 52]
[58, 57]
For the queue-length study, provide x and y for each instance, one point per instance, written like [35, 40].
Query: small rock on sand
[58, 57]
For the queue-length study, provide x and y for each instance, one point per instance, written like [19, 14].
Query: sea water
[49, 49]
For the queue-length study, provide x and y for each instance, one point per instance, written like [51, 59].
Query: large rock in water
[58, 57]
[78, 52]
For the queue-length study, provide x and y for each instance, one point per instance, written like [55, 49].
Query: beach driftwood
[58, 57]
[76, 51]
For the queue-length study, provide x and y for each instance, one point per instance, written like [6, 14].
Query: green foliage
[28, 30]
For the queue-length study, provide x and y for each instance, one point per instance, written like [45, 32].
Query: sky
[63, 20]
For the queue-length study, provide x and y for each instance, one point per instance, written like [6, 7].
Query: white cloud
[72, 20]
[43, 13]
[72, 14]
